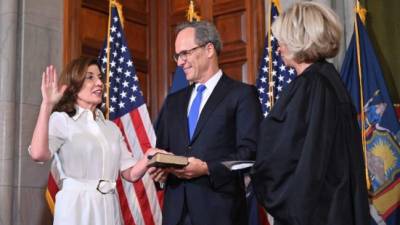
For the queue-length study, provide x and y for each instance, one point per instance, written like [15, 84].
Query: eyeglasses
[185, 53]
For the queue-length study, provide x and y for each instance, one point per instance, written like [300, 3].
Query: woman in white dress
[90, 150]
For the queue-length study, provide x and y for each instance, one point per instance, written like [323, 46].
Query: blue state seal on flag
[383, 153]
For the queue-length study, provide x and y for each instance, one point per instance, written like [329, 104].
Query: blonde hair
[310, 30]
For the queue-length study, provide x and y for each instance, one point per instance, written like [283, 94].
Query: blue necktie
[194, 110]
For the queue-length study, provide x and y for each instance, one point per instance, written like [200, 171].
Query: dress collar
[80, 111]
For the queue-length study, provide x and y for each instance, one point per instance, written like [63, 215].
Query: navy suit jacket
[227, 130]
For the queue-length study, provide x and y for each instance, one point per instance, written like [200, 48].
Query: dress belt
[102, 186]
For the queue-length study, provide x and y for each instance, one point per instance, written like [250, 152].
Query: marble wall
[30, 39]
[8, 71]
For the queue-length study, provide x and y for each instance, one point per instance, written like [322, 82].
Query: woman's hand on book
[152, 151]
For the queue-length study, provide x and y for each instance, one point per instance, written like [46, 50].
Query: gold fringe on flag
[277, 4]
[50, 201]
[115, 3]
[362, 12]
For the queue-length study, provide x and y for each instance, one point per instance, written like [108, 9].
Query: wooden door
[149, 28]
[85, 29]
[241, 26]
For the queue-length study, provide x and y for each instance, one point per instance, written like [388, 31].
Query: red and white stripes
[140, 198]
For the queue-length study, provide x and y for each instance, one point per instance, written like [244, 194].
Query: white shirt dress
[88, 150]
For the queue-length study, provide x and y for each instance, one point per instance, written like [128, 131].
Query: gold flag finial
[191, 14]
[362, 12]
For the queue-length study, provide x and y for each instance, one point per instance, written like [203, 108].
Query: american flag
[140, 202]
[274, 75]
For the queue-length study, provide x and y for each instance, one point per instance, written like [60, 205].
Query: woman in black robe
[310, 168]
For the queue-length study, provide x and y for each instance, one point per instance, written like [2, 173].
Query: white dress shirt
[210, 85]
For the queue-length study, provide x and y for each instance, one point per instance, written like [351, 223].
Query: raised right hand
[51, 92]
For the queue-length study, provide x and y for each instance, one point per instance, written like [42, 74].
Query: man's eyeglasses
[185, 53]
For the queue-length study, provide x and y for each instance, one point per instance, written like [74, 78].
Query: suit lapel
[216, 97]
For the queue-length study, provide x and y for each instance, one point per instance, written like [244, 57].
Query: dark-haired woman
[90, 150]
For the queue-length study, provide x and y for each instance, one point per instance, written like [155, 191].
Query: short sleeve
[126, 159]
[57, 131]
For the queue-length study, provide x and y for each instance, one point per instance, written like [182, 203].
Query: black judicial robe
[310, 168]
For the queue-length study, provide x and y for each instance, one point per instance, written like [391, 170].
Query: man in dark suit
[214, 119]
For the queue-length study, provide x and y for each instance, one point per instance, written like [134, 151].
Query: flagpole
[362, 114]
[107, 112]
[270, 78]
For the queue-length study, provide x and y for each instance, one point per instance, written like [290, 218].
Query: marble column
[8, 62]
[30, 39]
[40, 44]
